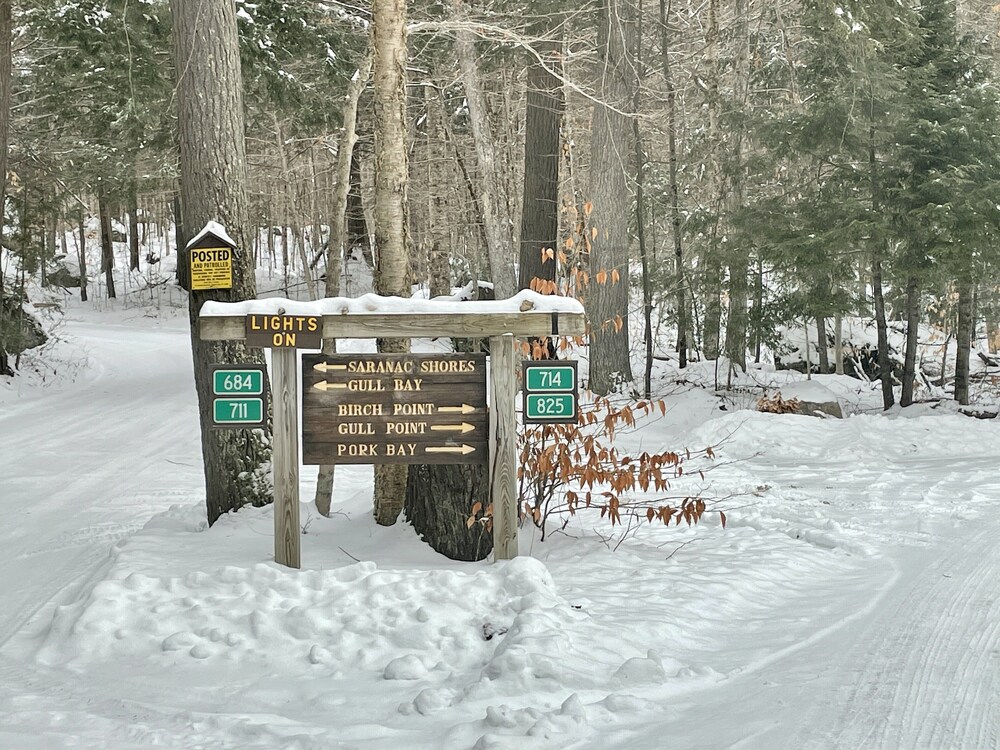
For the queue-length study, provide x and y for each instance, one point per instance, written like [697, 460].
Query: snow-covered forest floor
[850, 602]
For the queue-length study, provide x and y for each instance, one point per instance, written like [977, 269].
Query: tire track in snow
[928, 676]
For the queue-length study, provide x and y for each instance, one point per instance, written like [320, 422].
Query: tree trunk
[878, 299]
[838, 343]
[338, 235]
[439, 501]
[391, 235]
[183, 271]
[884, 364]
[805, 334]
[607, 302]
[910, 355]
[6, 64]
[540, 199]
[711, 262]
[757, 316]
[738, 257]
[674, 192]
[963, 339]
[499, 253]
[107, 246]
[133, 230]
[821, 342]
[640, 214]
[213, 185]
[440, 251]
[82, 254]
[357, 225]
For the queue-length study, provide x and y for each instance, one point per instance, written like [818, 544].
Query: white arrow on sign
[463, 449]
[324, 367]
[463, 428]
[463, 409]
[324, 386]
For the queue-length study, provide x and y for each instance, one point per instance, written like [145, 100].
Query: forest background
[716, 169]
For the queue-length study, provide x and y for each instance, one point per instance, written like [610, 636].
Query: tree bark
[440, 251]
[6, 63]
[540, 198]
[711, 262]
[610, 197]
[213, 186]
[910, 354]
[882, 330]
[391, 232]
[821, 343]
[338, 235]
[107, 245]
[82, 254]
[133, 229]
[838, 343]
[499, 253]
[878, 299]
[674, 191]
[963, 339]
[439, 501]
[738, 263]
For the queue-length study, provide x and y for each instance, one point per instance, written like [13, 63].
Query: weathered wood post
[285, 456]
[503, 444]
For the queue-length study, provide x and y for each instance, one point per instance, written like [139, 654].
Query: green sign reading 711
[239, 396]
[551, 395]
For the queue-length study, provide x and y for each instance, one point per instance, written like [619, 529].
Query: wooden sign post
[406, 408]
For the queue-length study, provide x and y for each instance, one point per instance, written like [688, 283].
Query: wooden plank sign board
[394, 408]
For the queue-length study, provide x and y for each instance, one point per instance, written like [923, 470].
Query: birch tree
[391, 231]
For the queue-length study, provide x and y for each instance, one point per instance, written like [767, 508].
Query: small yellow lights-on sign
[211, 268]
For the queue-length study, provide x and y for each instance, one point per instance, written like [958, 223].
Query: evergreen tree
[948, 217]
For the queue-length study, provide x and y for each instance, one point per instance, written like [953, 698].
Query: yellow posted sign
[211, 268]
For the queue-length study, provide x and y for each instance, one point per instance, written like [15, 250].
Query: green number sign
[238, 411]
[243, 382]
[550, 378]
[240, 396]
[551, 393]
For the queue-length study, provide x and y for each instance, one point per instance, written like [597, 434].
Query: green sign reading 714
[551, 395]
[239, 396]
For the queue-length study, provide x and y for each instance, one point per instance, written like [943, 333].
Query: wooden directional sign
[239, 396]
[394, 408]
[551, 392]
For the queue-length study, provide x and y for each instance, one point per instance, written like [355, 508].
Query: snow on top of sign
[524, 301]
[213, 227]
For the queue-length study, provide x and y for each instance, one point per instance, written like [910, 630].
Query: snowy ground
[851, 602]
